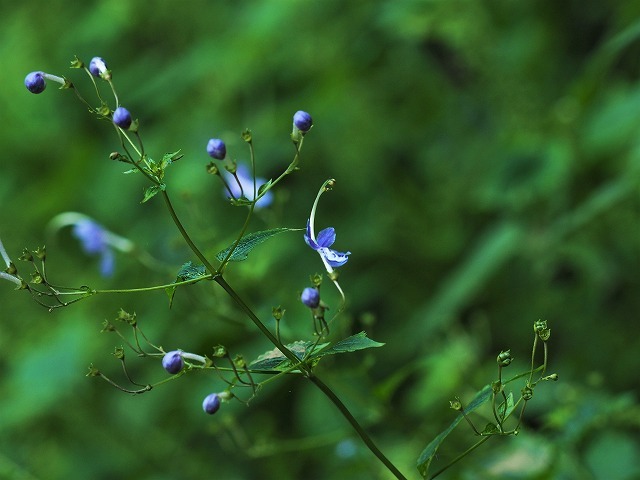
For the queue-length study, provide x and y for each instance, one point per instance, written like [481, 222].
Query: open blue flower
[94, 238]
[321, 244]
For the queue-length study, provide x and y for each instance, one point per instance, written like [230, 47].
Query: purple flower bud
[35, 82]
[122, 118]
[173, 362]
[217, 149]
[310, 297]
[97, 66]
[211, 403]
[302, 121]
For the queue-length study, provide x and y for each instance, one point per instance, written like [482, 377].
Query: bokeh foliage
[487, 163]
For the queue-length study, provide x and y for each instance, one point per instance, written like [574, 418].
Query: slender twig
[356, 426]
[460, 457]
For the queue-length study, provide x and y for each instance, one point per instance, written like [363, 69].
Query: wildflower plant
[237, 379]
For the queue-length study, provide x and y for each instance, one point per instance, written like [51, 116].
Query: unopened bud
[504, 358]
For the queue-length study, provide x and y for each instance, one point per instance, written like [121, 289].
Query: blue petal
[308, 239]
[107, 263]
[333, 257]
[326, 237]
[91, 236]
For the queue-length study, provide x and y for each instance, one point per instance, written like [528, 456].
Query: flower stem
[461, 456]
[304, 367]
[184, 233]
[356, 426]
[313, 378]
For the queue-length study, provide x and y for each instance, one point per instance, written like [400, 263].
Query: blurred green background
[487, 159]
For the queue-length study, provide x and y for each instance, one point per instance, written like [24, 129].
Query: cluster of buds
[174, 363]
[36, 83]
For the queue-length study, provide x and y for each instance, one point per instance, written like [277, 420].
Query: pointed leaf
[249, 242]
[506, 411]
[359, 341]
[427, 455]
[170, 291]
[150, 192]
[275, 359]
[264, 187]
[188, 271]
[169, 158]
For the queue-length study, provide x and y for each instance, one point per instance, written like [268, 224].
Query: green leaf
[275, 360]
[359, 341]
[427, 455]
[264, 187]
[249, 242]
[169, 158]
[506, 411]
[150, 192]
[188, 271]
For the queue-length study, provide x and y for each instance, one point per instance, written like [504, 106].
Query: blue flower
[216, 149]
[173, 362]
[302, 121]
[97, 66]
[93, 238]
[122, 118]
[211, 403]
[310, 297]
[321, 244]
[246, 186]
[35, 82]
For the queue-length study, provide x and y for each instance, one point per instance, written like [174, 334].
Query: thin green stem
[356, 426]
[292, 166]
[150, 289]
[185, 235]
[533, 359]
[304, 368]
[261, 326]
[460, 457]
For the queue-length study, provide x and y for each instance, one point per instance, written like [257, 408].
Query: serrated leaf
[428, 454]
[188, 271]
[275, 359]
[249, 242]
[150, 192]
[359, 341]
[132, 170]
[169, 158]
